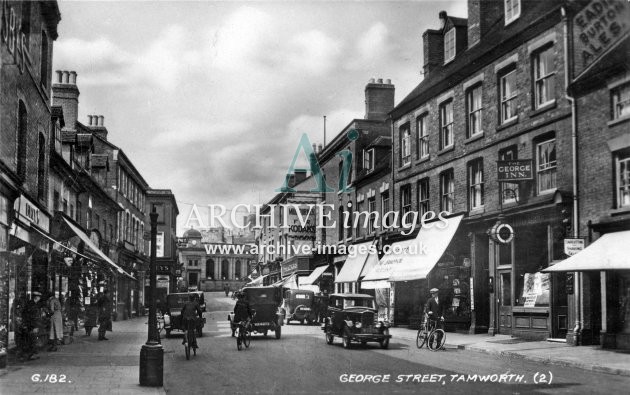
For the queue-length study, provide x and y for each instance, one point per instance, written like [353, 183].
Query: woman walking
[56, 323]
[91, 314]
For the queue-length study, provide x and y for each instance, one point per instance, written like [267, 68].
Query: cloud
[372, 48]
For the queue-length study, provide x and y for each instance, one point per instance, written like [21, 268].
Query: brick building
[166, 244]
[27, 33]
[492, 91]
[600, 85]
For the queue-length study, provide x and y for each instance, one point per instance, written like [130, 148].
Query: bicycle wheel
[186, 345]
[421, 338]
[192, 341]
[247, 338]
[436, 339]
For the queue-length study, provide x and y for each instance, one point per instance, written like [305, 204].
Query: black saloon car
[353, 317]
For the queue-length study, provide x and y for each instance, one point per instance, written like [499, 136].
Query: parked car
[353, 317]
[265, 301]
[172, 314]
[298, 305]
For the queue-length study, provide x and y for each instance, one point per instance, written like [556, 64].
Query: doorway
[193, 279]
[504, 285]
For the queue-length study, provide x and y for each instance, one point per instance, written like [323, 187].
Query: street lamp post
[152, 353]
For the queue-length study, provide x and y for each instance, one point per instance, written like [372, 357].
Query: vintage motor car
[173, 309]
[353, 317]
[265, 301]
[298, 305]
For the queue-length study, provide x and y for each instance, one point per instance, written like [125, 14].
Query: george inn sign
[514, 170]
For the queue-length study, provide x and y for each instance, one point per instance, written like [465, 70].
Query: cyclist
[434, 308]
[242, 311]
[190, 312]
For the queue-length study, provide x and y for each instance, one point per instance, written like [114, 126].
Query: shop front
[403, 276]
[357, 264]
[605, 266]
[526, 301]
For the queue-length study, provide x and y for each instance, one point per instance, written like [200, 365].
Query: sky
[210, 99]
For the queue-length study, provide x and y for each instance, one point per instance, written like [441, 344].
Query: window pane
[546, 163]
[621, 101]
[623, 181]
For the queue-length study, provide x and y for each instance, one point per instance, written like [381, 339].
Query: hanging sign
[514, 170]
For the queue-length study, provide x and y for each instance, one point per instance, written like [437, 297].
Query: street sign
[573, 246]
[514, 170]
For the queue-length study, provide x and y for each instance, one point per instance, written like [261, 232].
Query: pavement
[86, 366]
[592, 358]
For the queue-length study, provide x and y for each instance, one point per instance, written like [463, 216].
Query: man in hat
[30, 322]
[104, 315]
[434, 306]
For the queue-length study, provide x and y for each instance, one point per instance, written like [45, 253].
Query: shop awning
[609, 252]
[94, 248]
[435, 240]
[289, 282]
[353, 267]
[380, 273]
[314, 275]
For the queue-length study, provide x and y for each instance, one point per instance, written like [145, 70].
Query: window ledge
[424, 159]
[547, 192]
[510, 122]
[509, 203]
[619, 120]
[477, 211]
[473, 138]
[447, 149]
[406, 165]
[544, 108]
[619, 211]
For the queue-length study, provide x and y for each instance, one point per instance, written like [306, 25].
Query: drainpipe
[577, 331]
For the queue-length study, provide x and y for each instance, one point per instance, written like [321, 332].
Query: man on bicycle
[434, 309]
[190, 312]
[242, 311]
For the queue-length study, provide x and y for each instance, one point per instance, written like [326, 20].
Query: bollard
[151, 365]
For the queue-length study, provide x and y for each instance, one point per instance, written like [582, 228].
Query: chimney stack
[320, 148]
[379, 99]
[65, 93]
[482, 14]
[97, 126]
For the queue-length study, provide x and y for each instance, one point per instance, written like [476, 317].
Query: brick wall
[531, 125]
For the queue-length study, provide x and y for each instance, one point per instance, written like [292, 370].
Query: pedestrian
[30, 326]
[55, 334]
[91, 315]
[73, 309]
[226, 288]
[104, 315]
[17, 310]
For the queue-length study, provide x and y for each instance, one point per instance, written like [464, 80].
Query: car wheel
[385, 342]
[302, 321]
[265, 333]
[363, 343]
[346, 339]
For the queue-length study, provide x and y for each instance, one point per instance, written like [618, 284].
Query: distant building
[167, 263]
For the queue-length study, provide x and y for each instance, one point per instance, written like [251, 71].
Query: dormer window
[368, 159]
[512, 10]
[449, 45]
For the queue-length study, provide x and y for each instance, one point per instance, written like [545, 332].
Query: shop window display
[532, 288]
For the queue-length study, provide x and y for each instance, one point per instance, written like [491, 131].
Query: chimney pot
[380, 80]
[90, 120]
[59, 76]
[320, 148]
[314, 147]
[66, 77]
[101, 120]
[388, 81]
[371, 80]
[73, 77]
[442, 16]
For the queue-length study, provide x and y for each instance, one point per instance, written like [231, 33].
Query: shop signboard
[514, 170]
[573, 245]
[29, 213]
[597, 28]
[293, 265]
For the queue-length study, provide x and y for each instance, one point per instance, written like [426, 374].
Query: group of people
[38, 313]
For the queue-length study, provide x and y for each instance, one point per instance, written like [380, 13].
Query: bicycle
[243, 336]
[430, 334]
[189, 339]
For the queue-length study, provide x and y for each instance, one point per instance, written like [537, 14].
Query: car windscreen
[175, 301]
[261, 296]
[358, 302]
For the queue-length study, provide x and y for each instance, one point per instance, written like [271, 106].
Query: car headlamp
[357, 325]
